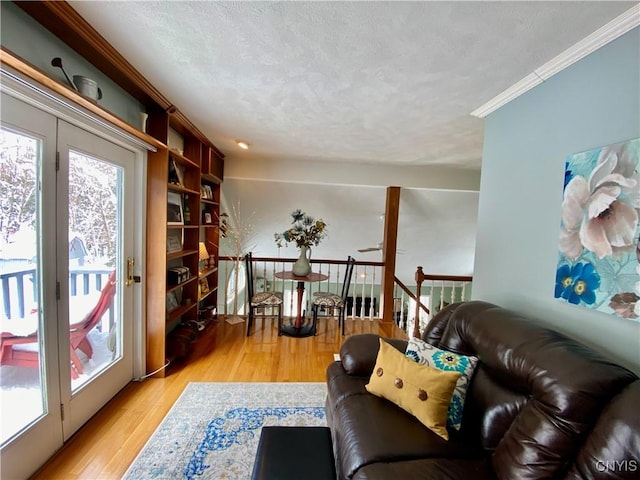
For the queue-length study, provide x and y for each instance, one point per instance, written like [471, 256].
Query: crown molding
[609, 32]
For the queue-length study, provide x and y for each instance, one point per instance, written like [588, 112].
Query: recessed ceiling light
[243, 145]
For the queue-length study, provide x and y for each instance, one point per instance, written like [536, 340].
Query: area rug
[212, 430]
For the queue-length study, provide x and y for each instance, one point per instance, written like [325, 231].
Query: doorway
[66, 251]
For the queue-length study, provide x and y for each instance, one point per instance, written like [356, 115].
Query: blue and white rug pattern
[213, 429]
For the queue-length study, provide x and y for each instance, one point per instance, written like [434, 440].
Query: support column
[389, 247]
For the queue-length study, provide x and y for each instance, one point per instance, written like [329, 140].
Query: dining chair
[332, 302]
[261, 301]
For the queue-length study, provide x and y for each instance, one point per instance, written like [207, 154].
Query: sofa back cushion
[359, 353]
[612, 449]
[536, 393]
[432, 334]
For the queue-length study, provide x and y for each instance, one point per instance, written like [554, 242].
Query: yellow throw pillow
[425, 392]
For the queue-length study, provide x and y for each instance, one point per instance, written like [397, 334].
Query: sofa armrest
[358, 353]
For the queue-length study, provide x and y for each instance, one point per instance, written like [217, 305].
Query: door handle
[130, 263]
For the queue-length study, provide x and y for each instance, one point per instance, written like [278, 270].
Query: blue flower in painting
[563, 279]
[577, 283]
[568, 175]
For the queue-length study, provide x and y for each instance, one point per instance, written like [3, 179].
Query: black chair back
[248, 262]
[347, 278]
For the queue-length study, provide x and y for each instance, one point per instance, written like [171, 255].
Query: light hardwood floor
[105, 447]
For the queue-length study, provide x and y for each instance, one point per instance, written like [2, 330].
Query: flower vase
[302, 266]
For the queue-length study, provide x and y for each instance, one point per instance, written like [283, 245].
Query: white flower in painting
[600, 214]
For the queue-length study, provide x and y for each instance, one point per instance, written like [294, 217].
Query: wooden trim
[389, 247]
[156, 289]
[70, 27]
[10, 59]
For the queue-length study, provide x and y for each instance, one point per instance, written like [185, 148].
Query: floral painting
[599, 255]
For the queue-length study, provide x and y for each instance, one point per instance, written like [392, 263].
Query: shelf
[180, 189]
[203, 297]
[207, 272]
[181, 254]
[174, 226]
[210, 177]
[171, 288]
[191, 165]
[182, 159]
[178, 312]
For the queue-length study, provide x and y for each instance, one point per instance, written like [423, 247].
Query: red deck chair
[77, 336]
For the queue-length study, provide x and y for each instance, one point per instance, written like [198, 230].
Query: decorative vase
[302, 266]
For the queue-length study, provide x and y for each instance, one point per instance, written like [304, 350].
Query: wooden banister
[421, 277]
[411, 295]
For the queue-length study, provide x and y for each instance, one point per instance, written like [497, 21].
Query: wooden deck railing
[19, 288]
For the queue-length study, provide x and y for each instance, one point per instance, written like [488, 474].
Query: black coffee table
[294, 453]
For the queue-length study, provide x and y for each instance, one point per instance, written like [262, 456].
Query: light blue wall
[594, 102]
[28, 39]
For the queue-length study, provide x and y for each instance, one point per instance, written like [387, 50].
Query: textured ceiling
[366, 82]
[346, 83]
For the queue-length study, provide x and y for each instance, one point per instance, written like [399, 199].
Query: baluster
[361, 294]
[34, 286]
[72, 280]
[6, 299]
[464, 291]
[441, 295]
[373, 298]
[20, 285]
[453, 292]
[363, 300]
[226, 287]
[365, 275]
[431, 294]
[403, 320]
[361, 297]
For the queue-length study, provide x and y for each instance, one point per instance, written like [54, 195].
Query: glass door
[96, 252]
[30, 395]
[66, 264]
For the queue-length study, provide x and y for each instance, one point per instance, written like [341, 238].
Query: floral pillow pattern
[426, 354]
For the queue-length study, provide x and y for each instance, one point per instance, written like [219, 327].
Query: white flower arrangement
[305, 232]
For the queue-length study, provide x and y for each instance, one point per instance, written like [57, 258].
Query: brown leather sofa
[539, 406]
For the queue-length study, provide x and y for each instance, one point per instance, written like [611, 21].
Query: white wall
[594, 102]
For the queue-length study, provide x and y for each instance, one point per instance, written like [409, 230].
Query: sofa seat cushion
[368, 429]
[428, 469]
